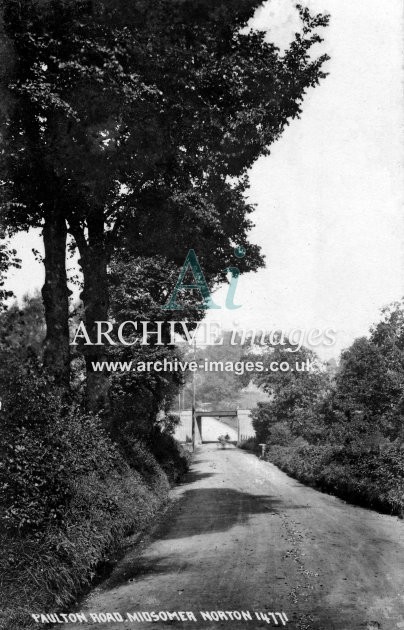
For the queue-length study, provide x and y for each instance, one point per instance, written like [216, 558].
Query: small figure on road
[223, 440]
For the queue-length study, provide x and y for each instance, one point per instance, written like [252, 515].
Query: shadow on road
[204, 510]
[208, 510]
[192, 477]
[199, 512]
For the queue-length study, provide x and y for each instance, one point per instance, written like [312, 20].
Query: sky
[329, 199]
[329, 214]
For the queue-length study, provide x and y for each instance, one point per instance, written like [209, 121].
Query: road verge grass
[373, 479]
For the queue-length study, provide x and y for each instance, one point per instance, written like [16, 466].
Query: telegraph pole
[193, 405]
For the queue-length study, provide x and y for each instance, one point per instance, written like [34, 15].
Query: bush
[281, 434]
[69, 494]
[169, 453]
[59, 564]
[249, 445]
[138, 456]
[340, 429]
[370, 478]
[46, 445]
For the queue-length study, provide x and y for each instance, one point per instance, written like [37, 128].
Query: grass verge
[48, 571]
[373, 479]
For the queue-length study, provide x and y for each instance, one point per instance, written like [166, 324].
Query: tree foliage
[293, 393]
[217, 387]
[126, 118]
[141, 400]
[344, 431]
[8, 260]
[22, 328]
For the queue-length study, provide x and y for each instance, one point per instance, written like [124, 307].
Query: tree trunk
[55, 296]
[95, 297]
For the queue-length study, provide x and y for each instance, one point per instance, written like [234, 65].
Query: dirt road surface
[243, 536]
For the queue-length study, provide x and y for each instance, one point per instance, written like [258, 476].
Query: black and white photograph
[201, 314]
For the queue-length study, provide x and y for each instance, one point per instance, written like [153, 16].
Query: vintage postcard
[201, 314]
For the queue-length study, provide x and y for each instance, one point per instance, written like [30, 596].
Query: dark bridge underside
[227, 413]
[221, 413]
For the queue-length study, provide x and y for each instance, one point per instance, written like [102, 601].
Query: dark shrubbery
[249, 445]
[342, 430]
[140, 425]
[50, 570]
[69, 494]
[373, 479]
[46, 445]
[172, 457]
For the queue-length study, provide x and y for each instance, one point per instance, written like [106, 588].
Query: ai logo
[192, 264]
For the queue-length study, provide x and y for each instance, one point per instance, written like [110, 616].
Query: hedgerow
[373, 479]
[69, 495]
[341, 428]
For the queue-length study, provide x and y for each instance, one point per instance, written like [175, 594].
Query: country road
[243, 536]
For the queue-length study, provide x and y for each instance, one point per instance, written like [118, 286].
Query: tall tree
[32, 187]
[369, 384]
[144, 119]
